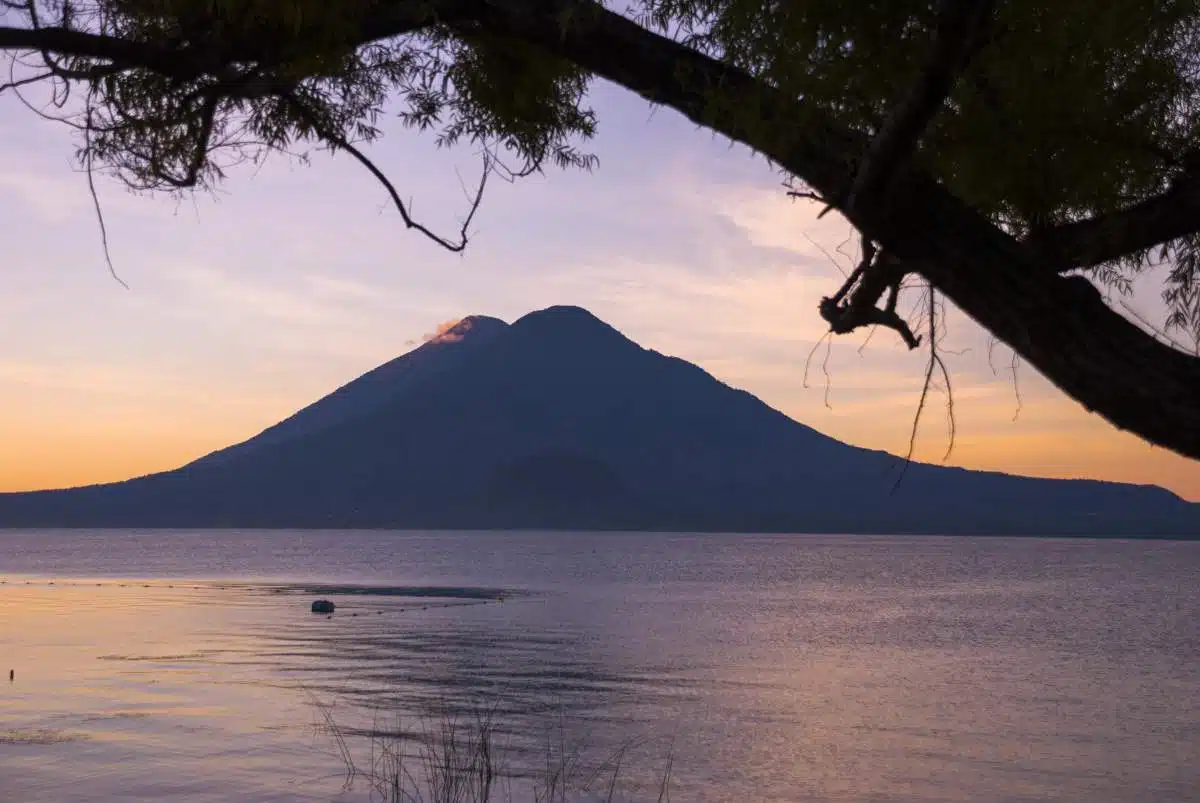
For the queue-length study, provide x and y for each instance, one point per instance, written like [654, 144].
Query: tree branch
[956, 40]
[935, 361]
[16, 83]
[119, 53]
[203, 128]
[875, 274]
[385, 19]
[1064, 330]
[1104, 238]
[91, 184]
[338, 142]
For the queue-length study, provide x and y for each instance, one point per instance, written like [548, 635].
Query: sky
[244, 306]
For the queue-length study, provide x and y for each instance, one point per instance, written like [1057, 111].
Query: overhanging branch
[383, 20]
[117, 52]
[1062, 328]
[338, 142]
[956, 40]
[1105, 238]
[855, 304]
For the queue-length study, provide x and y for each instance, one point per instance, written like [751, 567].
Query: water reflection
[774, 669]
[187, 679]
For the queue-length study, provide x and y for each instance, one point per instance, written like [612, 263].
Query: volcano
[558, 421]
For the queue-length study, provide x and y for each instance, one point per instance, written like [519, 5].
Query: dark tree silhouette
[1002, 150]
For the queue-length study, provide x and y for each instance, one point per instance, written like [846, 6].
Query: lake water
[187, 666]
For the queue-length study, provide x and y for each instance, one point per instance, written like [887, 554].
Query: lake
[188, 666]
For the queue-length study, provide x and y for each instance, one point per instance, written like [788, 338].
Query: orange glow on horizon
[64, 459]
[67, 454]
[211, 348]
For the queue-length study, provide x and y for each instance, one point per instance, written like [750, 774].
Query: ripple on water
[38, 736]
[771, 669]
[200, 655]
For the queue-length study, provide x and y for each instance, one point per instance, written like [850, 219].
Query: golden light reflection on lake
[139, 692]
[773, 669]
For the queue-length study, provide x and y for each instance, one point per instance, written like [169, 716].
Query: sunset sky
[294, 280]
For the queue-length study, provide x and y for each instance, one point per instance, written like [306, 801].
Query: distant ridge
[559, 421]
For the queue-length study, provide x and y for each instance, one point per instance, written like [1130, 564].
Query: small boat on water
[323, 606]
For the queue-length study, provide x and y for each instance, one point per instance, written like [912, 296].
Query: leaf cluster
[261, 76]
[1067, 108]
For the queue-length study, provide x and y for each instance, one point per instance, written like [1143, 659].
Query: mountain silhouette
[560, 421]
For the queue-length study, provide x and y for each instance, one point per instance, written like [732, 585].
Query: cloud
[783, 230]
[54, 187]
[50, 199]
[89, 378]
[79, 385]
[272, 299]
[341, 288]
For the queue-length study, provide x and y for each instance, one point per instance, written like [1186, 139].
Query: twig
[17, 83]
[808, 362]
[824, 251]
[951, 421]
[337, 141]
[865, 261]
[811, 196]
[89, 170]
[850, 257]
[935, 362]
[870, 334]
[1016, 386]
[825, 370]
[1154, 330]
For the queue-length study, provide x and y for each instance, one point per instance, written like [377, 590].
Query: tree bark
[1058, 324]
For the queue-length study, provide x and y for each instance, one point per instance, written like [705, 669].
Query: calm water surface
[187, 667]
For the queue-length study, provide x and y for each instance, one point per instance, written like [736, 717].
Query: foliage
[485, 88]
[292, 77]
[1068, 108]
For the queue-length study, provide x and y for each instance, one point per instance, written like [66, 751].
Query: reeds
[465, 758]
